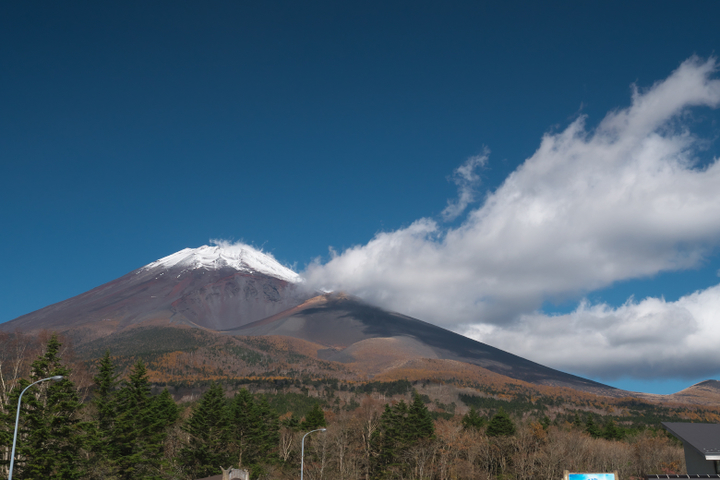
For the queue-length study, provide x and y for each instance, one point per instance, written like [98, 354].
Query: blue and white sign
[591, 476]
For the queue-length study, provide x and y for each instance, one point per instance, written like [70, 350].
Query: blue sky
[399, 134]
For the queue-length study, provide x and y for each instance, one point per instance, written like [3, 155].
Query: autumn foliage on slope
[376, 430]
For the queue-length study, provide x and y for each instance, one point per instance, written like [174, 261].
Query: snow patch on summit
[239, 256]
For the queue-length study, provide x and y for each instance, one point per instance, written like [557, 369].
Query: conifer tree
[401, 427]
[576, 421]
[591, 427]
[501, 425]
[241, 410]
[100, 438]
[291, 423]
[264, 435]
[389, 439]
[611, 431]
[419, 423]
[6, 433]
[166, 411]
[50, 432]
[140, 427]
[104, 401]
[314, 419]
[209, 430]
[473, 421]
[255, 433]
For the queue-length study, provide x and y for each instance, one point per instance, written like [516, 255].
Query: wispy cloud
[467, 180]
[589, 208]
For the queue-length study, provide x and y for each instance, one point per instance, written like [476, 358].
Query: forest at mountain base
[106, 422]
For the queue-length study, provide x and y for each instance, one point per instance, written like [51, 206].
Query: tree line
[124, 431]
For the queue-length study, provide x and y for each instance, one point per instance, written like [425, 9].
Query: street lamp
[56, 378]
[302, 450]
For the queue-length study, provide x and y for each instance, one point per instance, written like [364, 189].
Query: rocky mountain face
[208, 287]
[354, 332]
[240, 292]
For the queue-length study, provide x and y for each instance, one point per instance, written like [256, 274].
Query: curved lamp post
[17, 418]
[302, 450]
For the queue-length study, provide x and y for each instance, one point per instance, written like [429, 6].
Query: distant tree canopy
[126, 430]
[401, 428]
[243, 431]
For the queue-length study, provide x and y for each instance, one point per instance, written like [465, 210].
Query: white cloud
[589, 208]
[652, 338]
[467, 181]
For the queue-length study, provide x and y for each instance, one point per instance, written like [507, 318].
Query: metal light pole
[302, 450]
[17, 419]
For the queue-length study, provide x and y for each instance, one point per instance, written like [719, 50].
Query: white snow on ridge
[239, 256]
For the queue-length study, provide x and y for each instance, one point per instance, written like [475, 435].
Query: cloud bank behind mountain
[627, 199]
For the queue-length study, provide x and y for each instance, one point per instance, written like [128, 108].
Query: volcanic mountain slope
[241, 291]
[212, 287]
[703, 393]
[356, 332]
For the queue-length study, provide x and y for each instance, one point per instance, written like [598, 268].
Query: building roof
[703, 437]
[677, 476]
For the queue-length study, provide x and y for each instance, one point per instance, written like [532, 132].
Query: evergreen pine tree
[101, 434]
[419, 423]
[50, 433]
[576, 421]
[105, 386]
[401, 427]
[314, 419]
[166, 411]
[6, 434]
[255, 432]
[208, 426]
[241, 410]
[386, 440]
[133, 403]
[611, 431]
[264, 435]
[591, 427]
[473, 421]
[501, 425]
[292, 423]
[140, 428]
[396, 432]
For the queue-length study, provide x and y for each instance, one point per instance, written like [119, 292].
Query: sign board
[590, 476]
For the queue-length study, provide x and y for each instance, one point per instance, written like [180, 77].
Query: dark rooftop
[675, 476]
[703, 437]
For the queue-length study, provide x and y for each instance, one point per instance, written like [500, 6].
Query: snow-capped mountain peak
[238, 256]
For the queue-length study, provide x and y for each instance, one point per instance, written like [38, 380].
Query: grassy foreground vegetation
[97, 424]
